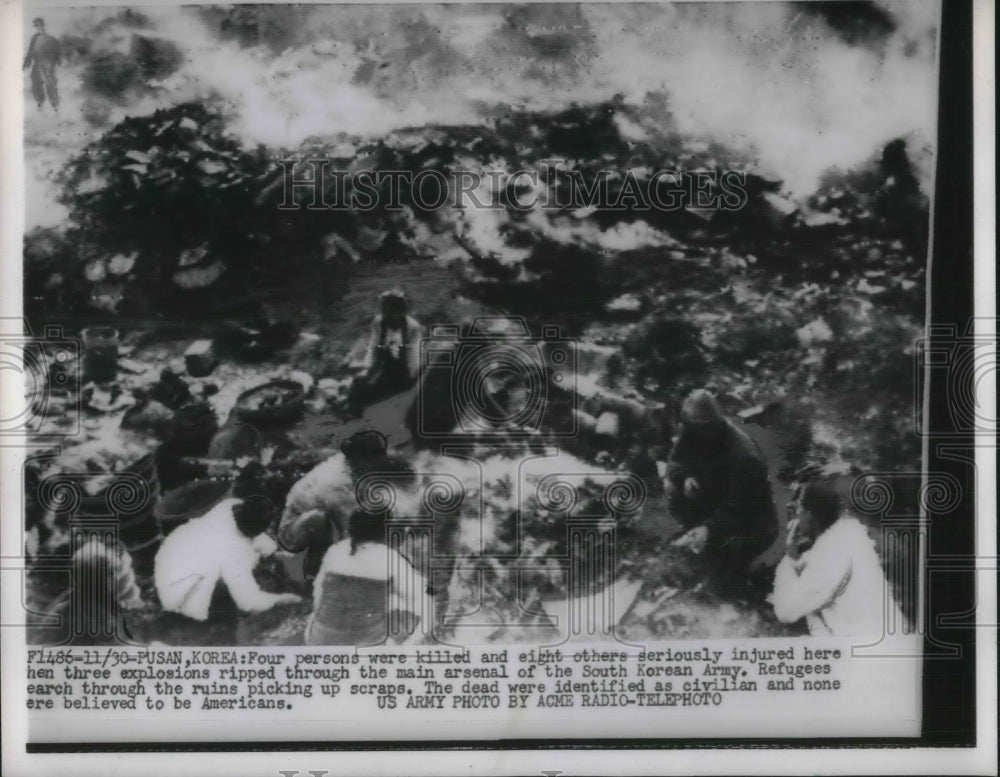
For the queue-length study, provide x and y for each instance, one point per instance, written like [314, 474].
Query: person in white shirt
[320, 503]
[831, 574]
[222, 546]
[367, 593]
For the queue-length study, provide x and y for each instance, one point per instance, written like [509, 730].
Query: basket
[272, 403]
[138, 528]
[191, 500]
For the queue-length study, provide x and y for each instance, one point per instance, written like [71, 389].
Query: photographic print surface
[560, 355]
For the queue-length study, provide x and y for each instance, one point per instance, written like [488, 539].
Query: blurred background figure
[43, 56]
[392, 358]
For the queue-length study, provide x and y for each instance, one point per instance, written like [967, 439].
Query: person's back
[729, 469]
[190, 560]
[365, 592]
[224, 546]
[738, 452]
[351, 596]
[328, 488]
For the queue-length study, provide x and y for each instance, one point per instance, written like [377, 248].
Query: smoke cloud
[795, 86]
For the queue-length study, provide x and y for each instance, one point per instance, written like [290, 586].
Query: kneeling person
[224, 545]
[718, 486]
[318, 506]
[831, 574]
[367, 593]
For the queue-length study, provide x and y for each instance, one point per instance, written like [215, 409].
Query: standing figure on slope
[44, 55]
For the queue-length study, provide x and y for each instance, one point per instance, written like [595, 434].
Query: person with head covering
[392, 357]
[366, 592]
[221, 547]
[718, 487]
[831, 574]
[44, 55]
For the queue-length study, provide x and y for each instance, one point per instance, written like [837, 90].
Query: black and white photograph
[490, 371]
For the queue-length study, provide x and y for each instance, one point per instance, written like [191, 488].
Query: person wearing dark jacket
[718, 487]
[43, 56]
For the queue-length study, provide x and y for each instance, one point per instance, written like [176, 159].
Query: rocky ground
[674, 598]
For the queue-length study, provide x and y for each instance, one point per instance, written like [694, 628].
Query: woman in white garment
[219, 550]
[831, 574]
[366, 592]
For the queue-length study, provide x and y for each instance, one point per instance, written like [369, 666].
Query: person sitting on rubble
[718, 488]
[366, 592]
[831, 574]
[222, 546]
[318, 505]
[392, 358]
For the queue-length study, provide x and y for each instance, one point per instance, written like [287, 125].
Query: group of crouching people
[716, 483]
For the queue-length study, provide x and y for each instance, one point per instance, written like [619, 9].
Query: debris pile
[820, 301]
